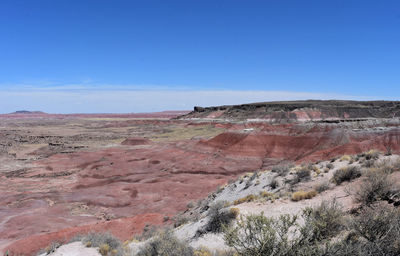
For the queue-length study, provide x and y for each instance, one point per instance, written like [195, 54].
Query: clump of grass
[234, 211]
[301, 195]
[346, 174]
[202, 252]
[104, 249]
[266, 194]
[345, 158]
[247, 198]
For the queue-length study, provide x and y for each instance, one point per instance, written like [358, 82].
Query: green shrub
[180, 220]
[249, 182]
[346, 174]
[372, 154]
[281, 170]
[303, 174]
[165, 244]
[260, 235]
[274, 183]
[322, 222]
[107, 243]
[376, 186]
[368, 163]
[377, 230]
[220, 216]
[329, 166]
[52, 247]
[321, 187]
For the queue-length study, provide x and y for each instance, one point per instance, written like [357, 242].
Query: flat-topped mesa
[27, 112]
[294, 111]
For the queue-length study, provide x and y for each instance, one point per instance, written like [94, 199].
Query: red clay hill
[63, 177]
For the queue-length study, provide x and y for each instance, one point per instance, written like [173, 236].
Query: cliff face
[293, 111]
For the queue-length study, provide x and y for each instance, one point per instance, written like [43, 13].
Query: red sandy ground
[149, 180]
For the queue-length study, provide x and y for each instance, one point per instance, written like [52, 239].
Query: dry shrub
[346, 174]
[301, 195]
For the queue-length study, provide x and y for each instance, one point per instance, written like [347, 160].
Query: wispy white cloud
[81, 98]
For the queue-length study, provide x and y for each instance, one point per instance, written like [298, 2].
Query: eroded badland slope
[61, 176]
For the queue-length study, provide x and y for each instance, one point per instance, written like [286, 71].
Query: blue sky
[64, 56]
